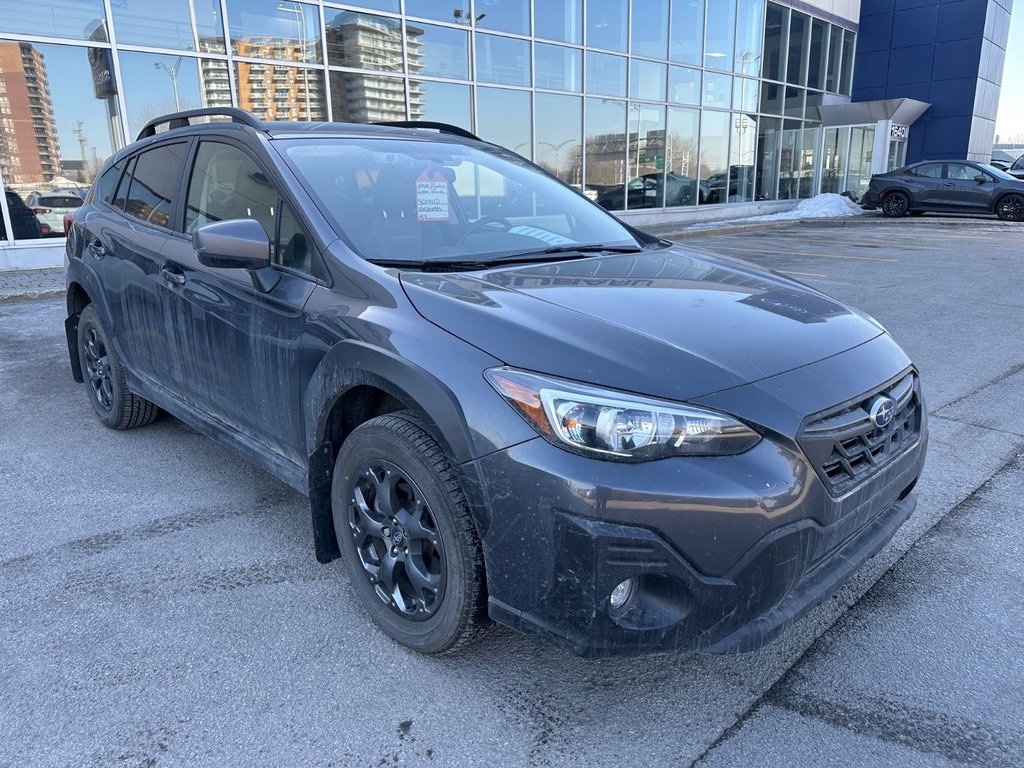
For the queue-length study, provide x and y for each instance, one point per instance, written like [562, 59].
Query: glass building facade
[649, 104]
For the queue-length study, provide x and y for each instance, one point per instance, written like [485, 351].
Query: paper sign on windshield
[432, 197]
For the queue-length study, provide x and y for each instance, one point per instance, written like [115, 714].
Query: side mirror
[981, 178]
[234, 244]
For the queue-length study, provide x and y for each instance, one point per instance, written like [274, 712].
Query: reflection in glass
[684, 85]
[714, 155]
[744, 94]
[769, 139]
[772, 97]
[799, 33]
[750, 32]
[503, 60]
[444, 52]
[168, 24]
[790, 149]
[742, 149]
[717, 90]
[835, 49]
[391, 6]
[77, 19]
[504, 16]
[605, 147]
[649, 36]
[440, 102]
[846, 78]
[558, 20]
[277, 92]
[558, 67]
[607, 21]
[367, 98]
[862, 150]
[682, 187]
[268, 29]
[719, 35]
[503, 117]
[816, 54]
[776, 30]
[363, 41]
[813, 100]
[794, 102]
[686, 35]
[646, 145]
[156, 85]
[647, 80]
[606, 74]
[833, 166]
[808, 157]
[559, 134]
[453, 11]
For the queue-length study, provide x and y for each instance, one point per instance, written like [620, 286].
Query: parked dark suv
[501, 401]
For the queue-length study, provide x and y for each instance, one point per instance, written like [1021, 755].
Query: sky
[1010, 118]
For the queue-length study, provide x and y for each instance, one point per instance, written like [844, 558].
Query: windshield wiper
[554, 253]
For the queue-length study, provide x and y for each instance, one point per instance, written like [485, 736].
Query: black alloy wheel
[895, 205]
[115, 405]
[1011, 208]
[396, 540]
[407, 537]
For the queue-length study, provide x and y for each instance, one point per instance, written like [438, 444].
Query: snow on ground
[824, 206]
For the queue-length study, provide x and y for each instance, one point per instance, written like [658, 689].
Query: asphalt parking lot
[160, 603]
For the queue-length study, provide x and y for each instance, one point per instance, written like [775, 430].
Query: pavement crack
[990, 383]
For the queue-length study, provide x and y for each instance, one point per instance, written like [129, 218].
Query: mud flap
[71, 331]
[321, 463]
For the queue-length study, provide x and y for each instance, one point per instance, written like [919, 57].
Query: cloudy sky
[1010, 121]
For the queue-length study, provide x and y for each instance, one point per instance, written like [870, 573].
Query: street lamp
[301, 24]
[556, 148]
[173, 73]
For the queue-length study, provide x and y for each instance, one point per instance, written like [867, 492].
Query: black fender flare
[350, 364]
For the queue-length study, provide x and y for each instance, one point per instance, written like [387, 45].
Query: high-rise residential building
[29, 146]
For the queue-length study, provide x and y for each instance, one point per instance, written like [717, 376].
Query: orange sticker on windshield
[432, 203]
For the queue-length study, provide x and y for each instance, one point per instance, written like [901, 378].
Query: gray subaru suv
[502, 402]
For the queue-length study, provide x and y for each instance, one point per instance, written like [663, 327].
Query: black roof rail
[181, 119]
[454, 130]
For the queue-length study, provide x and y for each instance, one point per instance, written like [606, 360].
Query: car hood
[669, 323]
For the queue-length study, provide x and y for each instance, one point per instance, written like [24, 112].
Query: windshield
[1018, 164]
[419, 201]
[1003, 175]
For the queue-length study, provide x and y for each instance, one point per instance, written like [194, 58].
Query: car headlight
[616, 425]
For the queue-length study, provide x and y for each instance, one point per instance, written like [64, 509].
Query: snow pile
[825, 206]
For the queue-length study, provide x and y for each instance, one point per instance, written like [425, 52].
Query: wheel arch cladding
[77, 300]
[353, 384]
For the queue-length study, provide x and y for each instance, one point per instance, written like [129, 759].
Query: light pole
[556, 148]
[301, 24]
[639, 111]
[173, 73]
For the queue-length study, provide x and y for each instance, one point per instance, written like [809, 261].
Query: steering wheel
[486, 221]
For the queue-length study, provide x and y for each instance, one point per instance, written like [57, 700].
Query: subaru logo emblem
[882, 412]
[398, 536]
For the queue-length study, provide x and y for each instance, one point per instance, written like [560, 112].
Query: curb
[31, 295]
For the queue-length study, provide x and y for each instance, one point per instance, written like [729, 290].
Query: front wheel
[1011, 208]
[115, 405]
[407, 537]
[895, 205]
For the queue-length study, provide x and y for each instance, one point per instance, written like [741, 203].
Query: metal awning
[901, 111]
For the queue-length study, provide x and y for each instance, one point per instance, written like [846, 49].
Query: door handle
[96, 248]
[172, 277]
[948, 185]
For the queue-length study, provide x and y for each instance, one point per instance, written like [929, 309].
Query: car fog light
[621, 594]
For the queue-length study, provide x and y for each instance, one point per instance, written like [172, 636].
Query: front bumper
[727, 552]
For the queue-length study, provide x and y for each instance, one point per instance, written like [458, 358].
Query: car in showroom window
[503, 403]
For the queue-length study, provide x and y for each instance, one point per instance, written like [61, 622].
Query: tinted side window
[961, 171]
[121, 195]
[929, 170]
[105, 183]
[154, 184]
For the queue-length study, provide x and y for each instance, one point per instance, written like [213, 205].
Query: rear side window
[929, 170]
[105, 183]
[60, 201]
[154, 183]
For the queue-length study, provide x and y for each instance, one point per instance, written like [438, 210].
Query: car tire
[115, 405]
[895, 205]
[1010, 208]
[422, 580]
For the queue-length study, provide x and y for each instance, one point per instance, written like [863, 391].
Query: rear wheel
[895, 205]
[115, 405]
[1011, 208]
[407, 537]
